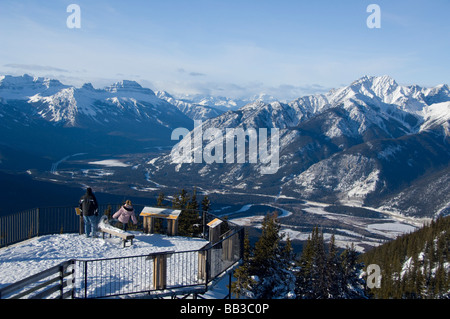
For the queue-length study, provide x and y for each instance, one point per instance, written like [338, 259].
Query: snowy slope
[437, 115]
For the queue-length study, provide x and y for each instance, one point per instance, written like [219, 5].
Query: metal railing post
[85, 279]
[37, 221]
[229, 284]
[61, 281]
[73, 282]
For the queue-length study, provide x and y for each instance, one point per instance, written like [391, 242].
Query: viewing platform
[155, 266]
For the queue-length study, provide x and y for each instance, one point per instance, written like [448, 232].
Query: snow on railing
[54, 283]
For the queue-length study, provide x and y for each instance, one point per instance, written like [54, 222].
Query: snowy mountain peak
[128, 86]
[25, 86]
[52, 83]
[385, 93]
[263, 97]
[88, 86]
[437, 94]
[376, 81]
[18, 82]
[7, 81]
[164, 94]
[372, 87]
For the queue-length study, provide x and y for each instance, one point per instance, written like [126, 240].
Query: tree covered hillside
[414, 265]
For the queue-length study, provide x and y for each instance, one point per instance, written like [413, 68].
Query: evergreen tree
[189, 222]
[334, 272]
[195, 221]
[352, 286]
[205, 204]
[266, 273]
[311, 279]
[160, 200]
[193, 205]
[323, 275]
[244, 282]
[287, 253]
[158, 222]
[266, 246]
[205, 209]
[182, 199]
[271, 262]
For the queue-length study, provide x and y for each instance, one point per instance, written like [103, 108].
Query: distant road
[54, 168]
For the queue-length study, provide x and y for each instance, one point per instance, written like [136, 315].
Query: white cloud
[34, 67]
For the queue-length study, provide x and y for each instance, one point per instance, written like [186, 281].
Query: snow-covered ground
[110, 163]
[35, 255]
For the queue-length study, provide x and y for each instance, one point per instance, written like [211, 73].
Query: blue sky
[229, 48]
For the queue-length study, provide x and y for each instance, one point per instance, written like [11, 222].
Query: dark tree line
[415, 265]
[271, 270]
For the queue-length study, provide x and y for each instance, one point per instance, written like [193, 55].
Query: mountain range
[374, 142]
[44, 116]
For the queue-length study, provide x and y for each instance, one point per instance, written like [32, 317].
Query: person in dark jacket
[89, 210]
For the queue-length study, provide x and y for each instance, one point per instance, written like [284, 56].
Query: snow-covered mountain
[373, 142]
[363, 143]
[219, 102]
[191, 109]
[203, 107]
[70, 106]
[122, 114]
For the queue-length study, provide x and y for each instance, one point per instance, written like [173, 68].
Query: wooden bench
[124, 235]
